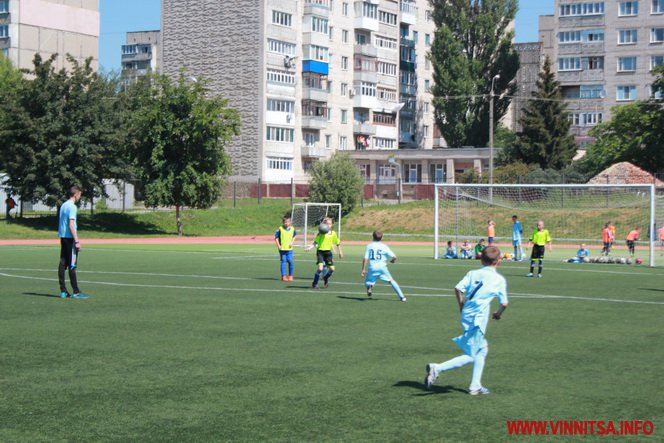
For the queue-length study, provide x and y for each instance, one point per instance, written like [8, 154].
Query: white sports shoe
[402, 299]
[530, 274]
[431, 376]
[481, 390]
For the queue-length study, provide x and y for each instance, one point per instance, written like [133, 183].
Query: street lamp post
[495, 77]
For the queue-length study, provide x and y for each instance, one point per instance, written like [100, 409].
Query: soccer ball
[638, 261]
[629, 261]
[586, 260]
[623, 260]
[323, 228]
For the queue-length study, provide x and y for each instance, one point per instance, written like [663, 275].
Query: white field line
[327, 291]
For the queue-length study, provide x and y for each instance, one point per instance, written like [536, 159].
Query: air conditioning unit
[351, 92]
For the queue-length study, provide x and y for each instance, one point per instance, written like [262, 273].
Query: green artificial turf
[204, 343]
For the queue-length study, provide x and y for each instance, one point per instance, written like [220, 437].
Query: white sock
[478, 368]
[454, 363]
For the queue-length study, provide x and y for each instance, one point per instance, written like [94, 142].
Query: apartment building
[48, 27]
[603, 53]
[141, 54]
[314, 77]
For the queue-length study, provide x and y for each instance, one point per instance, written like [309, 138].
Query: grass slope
[203, 343]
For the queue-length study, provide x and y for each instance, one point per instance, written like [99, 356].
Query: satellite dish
[602, 93]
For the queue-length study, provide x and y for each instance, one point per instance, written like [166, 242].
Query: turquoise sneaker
[80, 296]
[65, 294]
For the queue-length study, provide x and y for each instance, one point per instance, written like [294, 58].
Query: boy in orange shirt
[491, 231]
[632, 237]
[606, 239]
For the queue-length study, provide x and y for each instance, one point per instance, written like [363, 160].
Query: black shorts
[630, 244]
[324, 257]
[538, 252]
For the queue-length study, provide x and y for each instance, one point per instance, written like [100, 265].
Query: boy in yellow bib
[324, 242]
[284, 239]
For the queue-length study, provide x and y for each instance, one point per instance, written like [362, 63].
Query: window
[627, 36]
[656, 60]
[416, 36]
[344, 63]
[4, 6]
[281, 47]
[387, 172]
[282, 18]
[436, 172]
[657, 95]
[343, 143]
[386, 43]
[593, 8]
[365, 64]
[282, 164]
[276, 105]
[585, 118]
[383, 143]
[425, 107]
[4, 31]
[319, 25]
[344, 9]
[365, 9]
[313, 52]
[569, 37]
[310, 138]
[387, 17]
[626, 93]
[368, 89]
[312, 108]
[388, 95]
[425, 130]
[593, 35]
[277, 134]
[365, 171]
[628, 8]
[569, 64]
[281, 77]
[595, 63]
[657, 35]
[427, 15]
[657, 7]
[412, 172]
[344, 35]
[591, 91]
[314, 81]
[344, 116]
[427, 85]
[344, 89]
[385, 119]
[329, 114]
[387, 69]
[328, 141]
[626, 64]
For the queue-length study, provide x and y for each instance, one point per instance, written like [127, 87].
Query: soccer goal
[573, 214]
[307, 216]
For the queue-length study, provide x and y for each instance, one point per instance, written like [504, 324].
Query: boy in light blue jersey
[581, 254]
[376, 256]
[517, 233]
[474, 294]
[70, 246]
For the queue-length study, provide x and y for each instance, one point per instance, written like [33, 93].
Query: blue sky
[120, 16]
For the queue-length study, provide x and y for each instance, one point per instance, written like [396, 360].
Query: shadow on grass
[111, 222]
[651, 289]
[356, 298]
[37, 294]
[434, 389]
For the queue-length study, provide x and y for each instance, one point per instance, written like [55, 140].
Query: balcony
[408, 13]
[405, 89]
[314, 122]
[405, 65]
[581, 48]
[589, 75]
[364, 101]
[368, 23]
[581, 21]
[313, 151]
[364, 128]
[137, 57]
[366, 50]
[316, 94]
[320, 8]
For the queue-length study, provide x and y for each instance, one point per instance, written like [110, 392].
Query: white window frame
[627, 64]
[630, 91]
[281, 47]
[654, 37]
[280, 18]
[628, 8]
[628, 36]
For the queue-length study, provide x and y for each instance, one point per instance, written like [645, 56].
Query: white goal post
[574, 214]
[306, 217]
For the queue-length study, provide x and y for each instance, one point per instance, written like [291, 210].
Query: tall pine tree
[472, 44]
[545, 139]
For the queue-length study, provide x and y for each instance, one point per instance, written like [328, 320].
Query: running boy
[376, 256]
[539, 239]
[474, 294]
[324, 257]
[284, 239]
[632, 238]
[517, 233]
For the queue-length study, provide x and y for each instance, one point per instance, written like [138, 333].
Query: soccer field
[204, 343]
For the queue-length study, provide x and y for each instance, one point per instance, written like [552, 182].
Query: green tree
[60, 128]
[633, 134]
[9, 75]
[545, 139]
[336, 180]
[472, 44]
[179, 133]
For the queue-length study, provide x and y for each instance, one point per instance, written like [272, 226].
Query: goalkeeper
[539, 239]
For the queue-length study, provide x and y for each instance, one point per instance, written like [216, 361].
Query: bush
[336, 180]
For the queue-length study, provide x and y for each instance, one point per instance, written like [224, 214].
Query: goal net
[307, 216]
[573, 214]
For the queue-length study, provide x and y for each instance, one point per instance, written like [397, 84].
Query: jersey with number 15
[378, 254]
